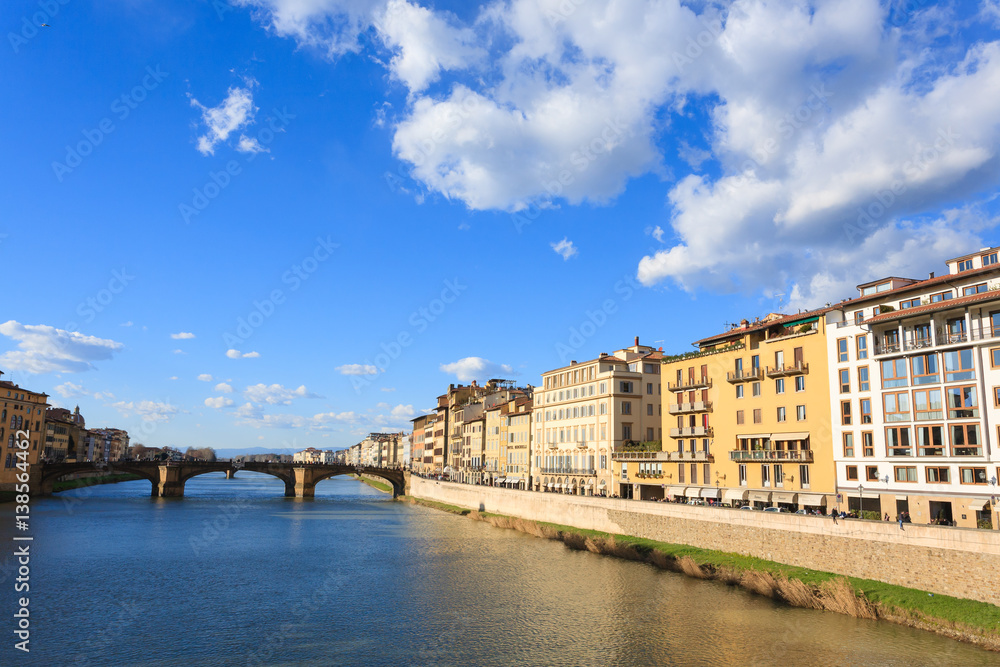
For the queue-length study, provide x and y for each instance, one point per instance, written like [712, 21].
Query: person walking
[834, 515]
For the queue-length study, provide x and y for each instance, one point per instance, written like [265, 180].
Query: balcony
[569, 471]
[693, 457]
[685, 408]
[798, 368]
[690, 383]
[692, 431]
[778, 455]
[649, 475]
[751, 375]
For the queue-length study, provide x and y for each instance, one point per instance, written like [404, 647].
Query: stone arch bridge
[168, 478]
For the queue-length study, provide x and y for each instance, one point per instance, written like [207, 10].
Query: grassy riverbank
[67, 484]
[375, 485]
[966, 620]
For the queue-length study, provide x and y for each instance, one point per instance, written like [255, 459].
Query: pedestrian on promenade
[834, 515]
[886, 516]
[900, 518]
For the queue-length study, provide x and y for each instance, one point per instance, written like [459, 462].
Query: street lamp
[861, 501]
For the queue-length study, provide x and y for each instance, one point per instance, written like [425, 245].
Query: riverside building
[20, 410]
[584, 412]
[915, 394]
[747, 420]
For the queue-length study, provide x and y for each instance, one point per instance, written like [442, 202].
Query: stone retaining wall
[962, 562]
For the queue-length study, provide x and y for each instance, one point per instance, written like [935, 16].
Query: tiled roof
[781, 321]
[923, 284]
[940, 305]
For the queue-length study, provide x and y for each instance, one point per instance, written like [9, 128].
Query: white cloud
[656, 232]
[179, 351]
[233, 114]
[475, 368]
[71, 390]
[224, 388]
[357, 369]
[275, 394]
[173, 377]
[205, 377]
[126, 324]
[402, 412]
[564, 248]
[250, 145]
[236, 354]
[387, 389]
[182, 335]
[147, 411]
[219, 402]
[45, 349]
[330, 25]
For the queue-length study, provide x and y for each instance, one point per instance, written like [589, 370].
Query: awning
[603, 483]
[676, 490]
[711, 493]
[501, 480]
[750, 436]
[551, 485]
[901, 498]
[513, 480]
[761, 496]
[812, 499]
[785, 437]
[785, 497]
[734, 494]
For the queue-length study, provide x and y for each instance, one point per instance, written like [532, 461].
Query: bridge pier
[170, 484]
[231, 473]
[304, 485]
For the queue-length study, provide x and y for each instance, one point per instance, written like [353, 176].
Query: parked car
[802, 512]
[775, 509]
[746, 507]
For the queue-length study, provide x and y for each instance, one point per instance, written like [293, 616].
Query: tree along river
[236, 574]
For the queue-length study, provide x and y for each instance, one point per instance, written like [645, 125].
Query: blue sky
[513, 169]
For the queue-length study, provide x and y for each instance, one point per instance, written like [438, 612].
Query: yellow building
[515, 448]
[22, 410]
[494, 467]
[748, 419]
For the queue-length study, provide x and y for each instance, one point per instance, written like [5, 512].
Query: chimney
[661, 349]
[573, 362]
[637, 341]
[931, 276]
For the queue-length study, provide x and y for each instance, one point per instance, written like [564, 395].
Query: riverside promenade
[950, 561]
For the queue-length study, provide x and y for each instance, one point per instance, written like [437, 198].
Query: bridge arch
[393, 477]
[53, 473]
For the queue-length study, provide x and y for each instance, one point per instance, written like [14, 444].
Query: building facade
[22, 410]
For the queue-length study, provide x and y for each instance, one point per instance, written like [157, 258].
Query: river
[235, 574]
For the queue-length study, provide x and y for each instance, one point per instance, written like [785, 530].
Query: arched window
[20, 421]
[10, 440]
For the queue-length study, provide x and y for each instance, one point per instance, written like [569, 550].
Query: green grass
[372, 483]
[67, 484]
[433, 504]
[932, 608]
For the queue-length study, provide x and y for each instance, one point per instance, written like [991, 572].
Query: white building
[915, 390]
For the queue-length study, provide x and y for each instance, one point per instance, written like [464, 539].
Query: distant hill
[241, 451]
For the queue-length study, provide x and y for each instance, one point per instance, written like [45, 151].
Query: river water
[235, 574]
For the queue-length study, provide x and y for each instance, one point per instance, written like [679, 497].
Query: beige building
[22, 410]
[584, 411]
[515, 415]
[65, 433]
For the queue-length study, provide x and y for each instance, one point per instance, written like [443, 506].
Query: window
[779, 475]
[743, 474]
[626, 431]
[962, 403]
[938, 476]
[956, 330]
[941, 296]
[867, 443]
[649, 410]
[859, 316]
[739, 391]
[852, 473]
[845, 413]
[765, 475]
[680, 473]
[804, 476]
[965, 265]
[625, 387]
[930, 440]
[973, 289]
[863, 382]
[739, 417]
[849, 445]
[989, 259]
[972, 475]
[781, 414]
[871, 473]
[965, 440]
[800, 412]
[897, 407]
[995, 357]
[959, 366]
[927, 405]
[996, 397]
[756, 388]
[694, 473]
[922, 335]
[897, 441]
[626, 408]
[893, 373]
[779, 386]
[842, 350]
[757, 416]
[925, 369]
[649, 388]
[755, 362]
[906, 473]
[909, 303]
[800, 383]
[862, 343]
[866, 411]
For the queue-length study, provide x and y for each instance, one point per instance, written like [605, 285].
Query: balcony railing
[745, 375]
[649, 475]
[798, 368]
[690, 383]
[693, 457]
[568, 471]
[691, 431]
[799, 455]
[683, 408]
